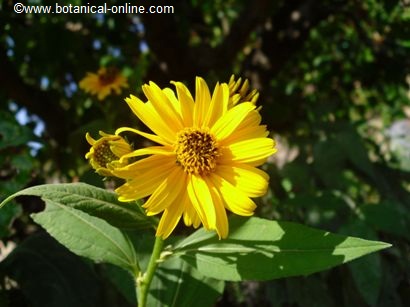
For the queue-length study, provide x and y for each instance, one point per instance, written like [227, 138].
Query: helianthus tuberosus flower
[102, 83]
[106, 152]
[205, 161]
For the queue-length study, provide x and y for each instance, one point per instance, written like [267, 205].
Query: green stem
[143, 282]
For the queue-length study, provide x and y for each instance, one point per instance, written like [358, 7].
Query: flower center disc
[103, 154]
[197, 151]
[108, 75]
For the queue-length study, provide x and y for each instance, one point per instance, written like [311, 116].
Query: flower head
[205, 161]
[106, 152]
[102, 83]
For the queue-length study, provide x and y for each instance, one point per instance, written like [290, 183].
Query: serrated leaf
[87, 236]
[259, 249]
[94, 201]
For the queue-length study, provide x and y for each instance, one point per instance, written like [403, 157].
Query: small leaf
[94, 201]
[87, 236]
[259, 249]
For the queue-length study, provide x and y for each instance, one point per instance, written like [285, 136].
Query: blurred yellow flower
[206, 157]
[105, 152]
[102, 83]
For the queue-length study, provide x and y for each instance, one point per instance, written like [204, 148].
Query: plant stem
[143, 282]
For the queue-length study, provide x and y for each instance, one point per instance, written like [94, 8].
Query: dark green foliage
[49, 275]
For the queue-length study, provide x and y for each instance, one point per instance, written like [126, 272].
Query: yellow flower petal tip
[205, 163]
[240, 92]
[104, 82]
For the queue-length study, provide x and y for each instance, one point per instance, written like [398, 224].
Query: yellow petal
[103, 92]
[90, 140]
[248, 128]
[134, 169]
[191, 218]
[202, 101]
[201, 199]
[248, 151]
[250, 180]
[163, 106]
[227, 124]
[169, 220]
[253, 118]
[171, 216]
[187, 103]
[151, 119]
[120, 148]
[143, 185]
[234, 199]
[246, 133]
[152, 137]
[173, 99]
[222, 226]
[218, 106]
[152, 150]
[166, 193]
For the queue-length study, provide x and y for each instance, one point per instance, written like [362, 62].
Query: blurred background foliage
[334, 78]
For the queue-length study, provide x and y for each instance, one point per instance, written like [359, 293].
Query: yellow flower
[205, 161]
[103, 82]
[105, 152]
[239, 92]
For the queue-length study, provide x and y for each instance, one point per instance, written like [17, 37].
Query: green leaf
[259, 249]
[175, 283]
[87, 236]
[94, 201]
[49, 275]
[178, 284]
